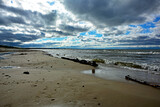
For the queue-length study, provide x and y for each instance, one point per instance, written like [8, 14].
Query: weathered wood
[92, 63]
[93, 71]
[128, 77]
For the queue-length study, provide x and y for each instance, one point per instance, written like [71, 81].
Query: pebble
[95, 98]
[26, 72]
[52, 99]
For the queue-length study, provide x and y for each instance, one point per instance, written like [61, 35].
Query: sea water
[3, 54]
[140, 64]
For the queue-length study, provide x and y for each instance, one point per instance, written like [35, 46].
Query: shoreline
[57, 82]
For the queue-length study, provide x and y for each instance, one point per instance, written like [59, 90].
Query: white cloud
[39, 18]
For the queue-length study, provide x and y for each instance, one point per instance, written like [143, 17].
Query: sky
[80, 24]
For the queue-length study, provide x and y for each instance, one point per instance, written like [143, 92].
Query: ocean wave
[154, 69]
[128, 65]
[133, 52]
[142, 53]
[142, 60]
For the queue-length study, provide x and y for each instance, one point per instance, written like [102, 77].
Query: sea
[140, 64]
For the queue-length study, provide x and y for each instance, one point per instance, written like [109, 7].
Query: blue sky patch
[93, 32]
[76, 39]
[81, 23]
[127, 32]
[53, 39]
[148, 25]
[51, 3]
[98, 35]
[83, 34]
[157, 19]
[146, 31]
[133, 25]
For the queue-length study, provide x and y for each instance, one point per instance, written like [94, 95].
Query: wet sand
[54, 82]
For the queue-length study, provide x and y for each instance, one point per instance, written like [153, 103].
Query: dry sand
[54, 82]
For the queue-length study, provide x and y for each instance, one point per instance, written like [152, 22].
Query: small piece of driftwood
[128, 77]
[93, 71]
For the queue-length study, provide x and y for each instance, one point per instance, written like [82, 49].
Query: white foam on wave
[150, 53]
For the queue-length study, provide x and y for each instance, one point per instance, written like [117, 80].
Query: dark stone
[95, 98]
[7, 75]
[83, 61]
[93, 63]
[26, 72]
[83, 86]
[52, 99]
[23, 54]
[33, 85]
[48, 54]
[99, 104]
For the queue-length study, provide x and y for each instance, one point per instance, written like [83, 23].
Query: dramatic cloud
[32, 18]
[80, 23]
[112, 12]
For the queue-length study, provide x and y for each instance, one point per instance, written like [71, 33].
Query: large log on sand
[128, 77]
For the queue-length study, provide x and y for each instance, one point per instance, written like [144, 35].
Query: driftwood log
[92, 63]
[128, 77]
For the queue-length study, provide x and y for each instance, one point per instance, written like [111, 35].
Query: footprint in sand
[45, 88]
[33, 85]
[8, 105]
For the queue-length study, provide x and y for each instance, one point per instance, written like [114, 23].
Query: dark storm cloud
[9, 38]
[37, 19]
[25, 18]
[114, 31]
[9, 19]
[142, 40]
[58, 32]
[69, 28]
[112, 12]
[48, 45]
[17, 44]
[20, 37]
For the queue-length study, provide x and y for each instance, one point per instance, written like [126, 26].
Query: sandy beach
[55, 82]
